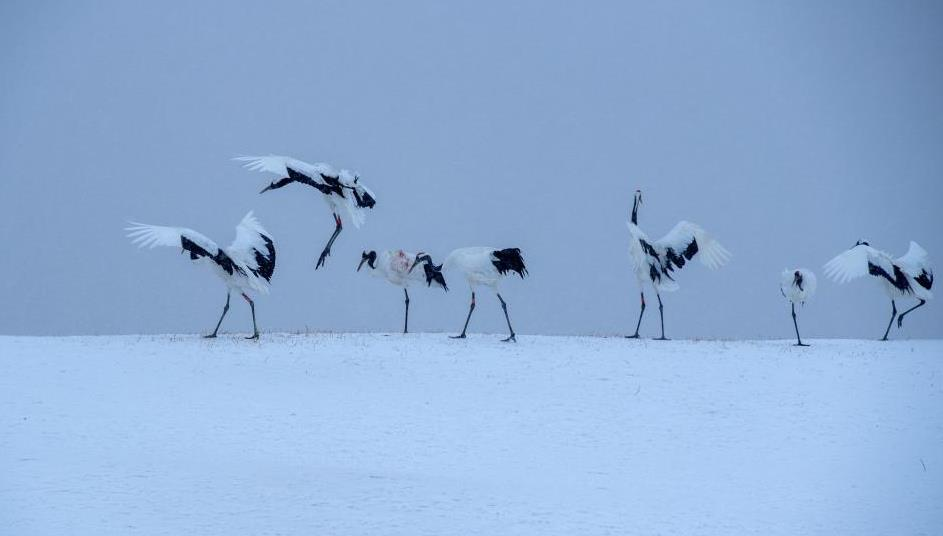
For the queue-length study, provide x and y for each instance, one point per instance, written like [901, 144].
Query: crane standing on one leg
[396, 267]
[798, 285]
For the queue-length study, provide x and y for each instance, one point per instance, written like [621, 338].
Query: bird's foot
[210, 336]
[884, 339]
[800, 344]
[324, 255]
[254, 337]
[632, 336]
[462, 336]
[662, 338]
[511, 338]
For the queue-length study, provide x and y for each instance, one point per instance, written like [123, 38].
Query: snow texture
[419, 434]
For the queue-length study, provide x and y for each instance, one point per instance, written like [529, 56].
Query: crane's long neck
[635, 211]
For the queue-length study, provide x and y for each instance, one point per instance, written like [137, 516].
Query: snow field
[419, 434]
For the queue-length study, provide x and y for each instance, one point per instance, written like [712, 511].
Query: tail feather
[510, 259]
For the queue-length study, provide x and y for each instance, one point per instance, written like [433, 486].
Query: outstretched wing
[858, 261]
[197, 245]
[279, 165]
[864, 260]
[687, 240]
[151, 236]
[917, 263]
[342, 189]
[254, 248]
[848, 265]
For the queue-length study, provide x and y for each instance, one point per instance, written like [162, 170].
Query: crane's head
[369, 257]
[861, 243]
[422, 256]
[797, 279]
[635, 204]
[433, 273]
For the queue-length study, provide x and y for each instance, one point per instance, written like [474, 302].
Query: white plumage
[672, 252]
[395, 266]
[486, 266]
[654, 262]
[910, 275]
[341, 190]
[797, 285]
[245, 265]
[392, 265]
[476, 264]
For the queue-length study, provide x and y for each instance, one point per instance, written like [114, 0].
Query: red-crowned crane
[483, 266]
[797, 285]
[245, 266]
[395, 266]
[654, 261]
[903, 277]
[341, 190]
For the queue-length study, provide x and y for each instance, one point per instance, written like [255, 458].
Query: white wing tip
[263, 163]
[252, 223]
[142, 235]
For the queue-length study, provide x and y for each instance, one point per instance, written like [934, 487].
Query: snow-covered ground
[419, 434]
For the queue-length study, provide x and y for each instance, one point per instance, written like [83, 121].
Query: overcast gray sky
[789, 130]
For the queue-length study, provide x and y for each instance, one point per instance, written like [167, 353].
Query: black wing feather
[266, 260]
[510, 259]
[296, 176]
[925, 279]
[196, 251]
[899, 280]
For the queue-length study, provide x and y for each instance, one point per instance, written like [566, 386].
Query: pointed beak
[362, 260]
[417, 261]
[267, 188]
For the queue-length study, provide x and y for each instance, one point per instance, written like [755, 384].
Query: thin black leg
[470, 310]
[255, 328]
[642, 312]
[796, 324]
[338, 227]
[661, 313]
[891, 323]
[225, 310]
[900, 319]
[511, 337]
[406, 323]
